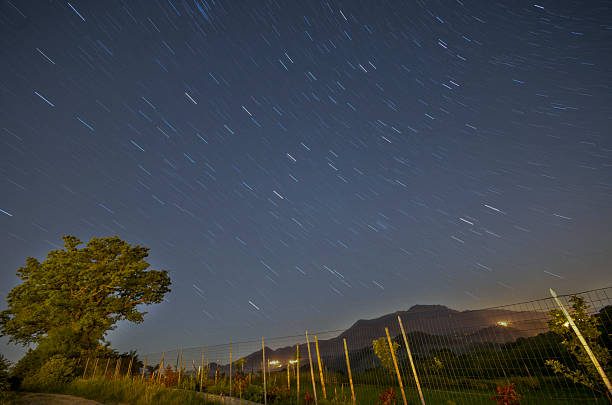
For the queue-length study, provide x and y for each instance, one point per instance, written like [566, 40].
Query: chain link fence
[526, 353]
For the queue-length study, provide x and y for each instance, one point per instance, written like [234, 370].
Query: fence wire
[524, 353]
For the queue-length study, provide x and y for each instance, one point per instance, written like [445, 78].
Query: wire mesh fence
[526, 353]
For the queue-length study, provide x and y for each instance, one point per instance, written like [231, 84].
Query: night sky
[304, 164]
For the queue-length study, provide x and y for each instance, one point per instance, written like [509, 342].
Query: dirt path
[54, 399]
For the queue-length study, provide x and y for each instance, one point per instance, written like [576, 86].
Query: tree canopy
[82, 292]
[381, 349]
[589, 325]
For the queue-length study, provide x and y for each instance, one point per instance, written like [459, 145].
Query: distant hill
[428, 327]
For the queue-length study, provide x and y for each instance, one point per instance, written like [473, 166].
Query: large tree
[78, 294]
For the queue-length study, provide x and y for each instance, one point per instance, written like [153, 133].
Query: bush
[56, 372]
[253, 393]
[5, 395]
[132, 391]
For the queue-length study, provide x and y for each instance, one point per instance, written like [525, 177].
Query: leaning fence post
[414, 372]
[399, 377]
[601, 372]
[95, 367]
[348, 366]
[86, 363]
[314, 387]
[106, 368]
[320, 368]
[118, 368]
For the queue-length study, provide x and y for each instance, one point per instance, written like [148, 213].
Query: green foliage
[88, 290]
[55, 372]
[239, 364]
[253, 393]
[5, 386]
[61, 341]
[584, 372]
[381, 349]
[67, 303]
[131, 391]
[605, 326]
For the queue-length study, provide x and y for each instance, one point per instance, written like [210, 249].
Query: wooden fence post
[95, 367]
[312, 377]
[117, 367]
[144, 367]
[414, 372]
[86, 363]
[263, 369]
[230, 370]
[348, 366]
[297, 372]
[399, 377]
[320, 368]
[180, 370]
[129, 372]
[202, 369]
[106, 368]
[161, 368]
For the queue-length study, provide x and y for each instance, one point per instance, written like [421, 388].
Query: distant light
[566, 324]
[292, 361]
[503, 323]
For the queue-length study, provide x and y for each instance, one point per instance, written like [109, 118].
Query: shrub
[253, 393]
[387, 397]
[506, 395]
[56, 372]
[308, 398]
[5, 385]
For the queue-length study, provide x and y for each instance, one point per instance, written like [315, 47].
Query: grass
[131, 391]
[541, 391]
[138, 392]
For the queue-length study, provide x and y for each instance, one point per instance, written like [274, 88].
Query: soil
[54, 399]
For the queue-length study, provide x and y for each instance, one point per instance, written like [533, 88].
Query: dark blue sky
[299, 164]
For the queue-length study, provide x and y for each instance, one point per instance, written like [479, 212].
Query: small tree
[239, 364]
[584, 372]
[381, 349]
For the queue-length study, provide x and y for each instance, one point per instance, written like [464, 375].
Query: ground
[54, 399]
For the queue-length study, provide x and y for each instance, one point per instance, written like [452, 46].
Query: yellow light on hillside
[503, 323]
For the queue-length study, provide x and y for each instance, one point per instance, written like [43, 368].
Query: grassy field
[439, 390]
[130, 391]
[369, 395]
[478, 392]
[136, 392]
